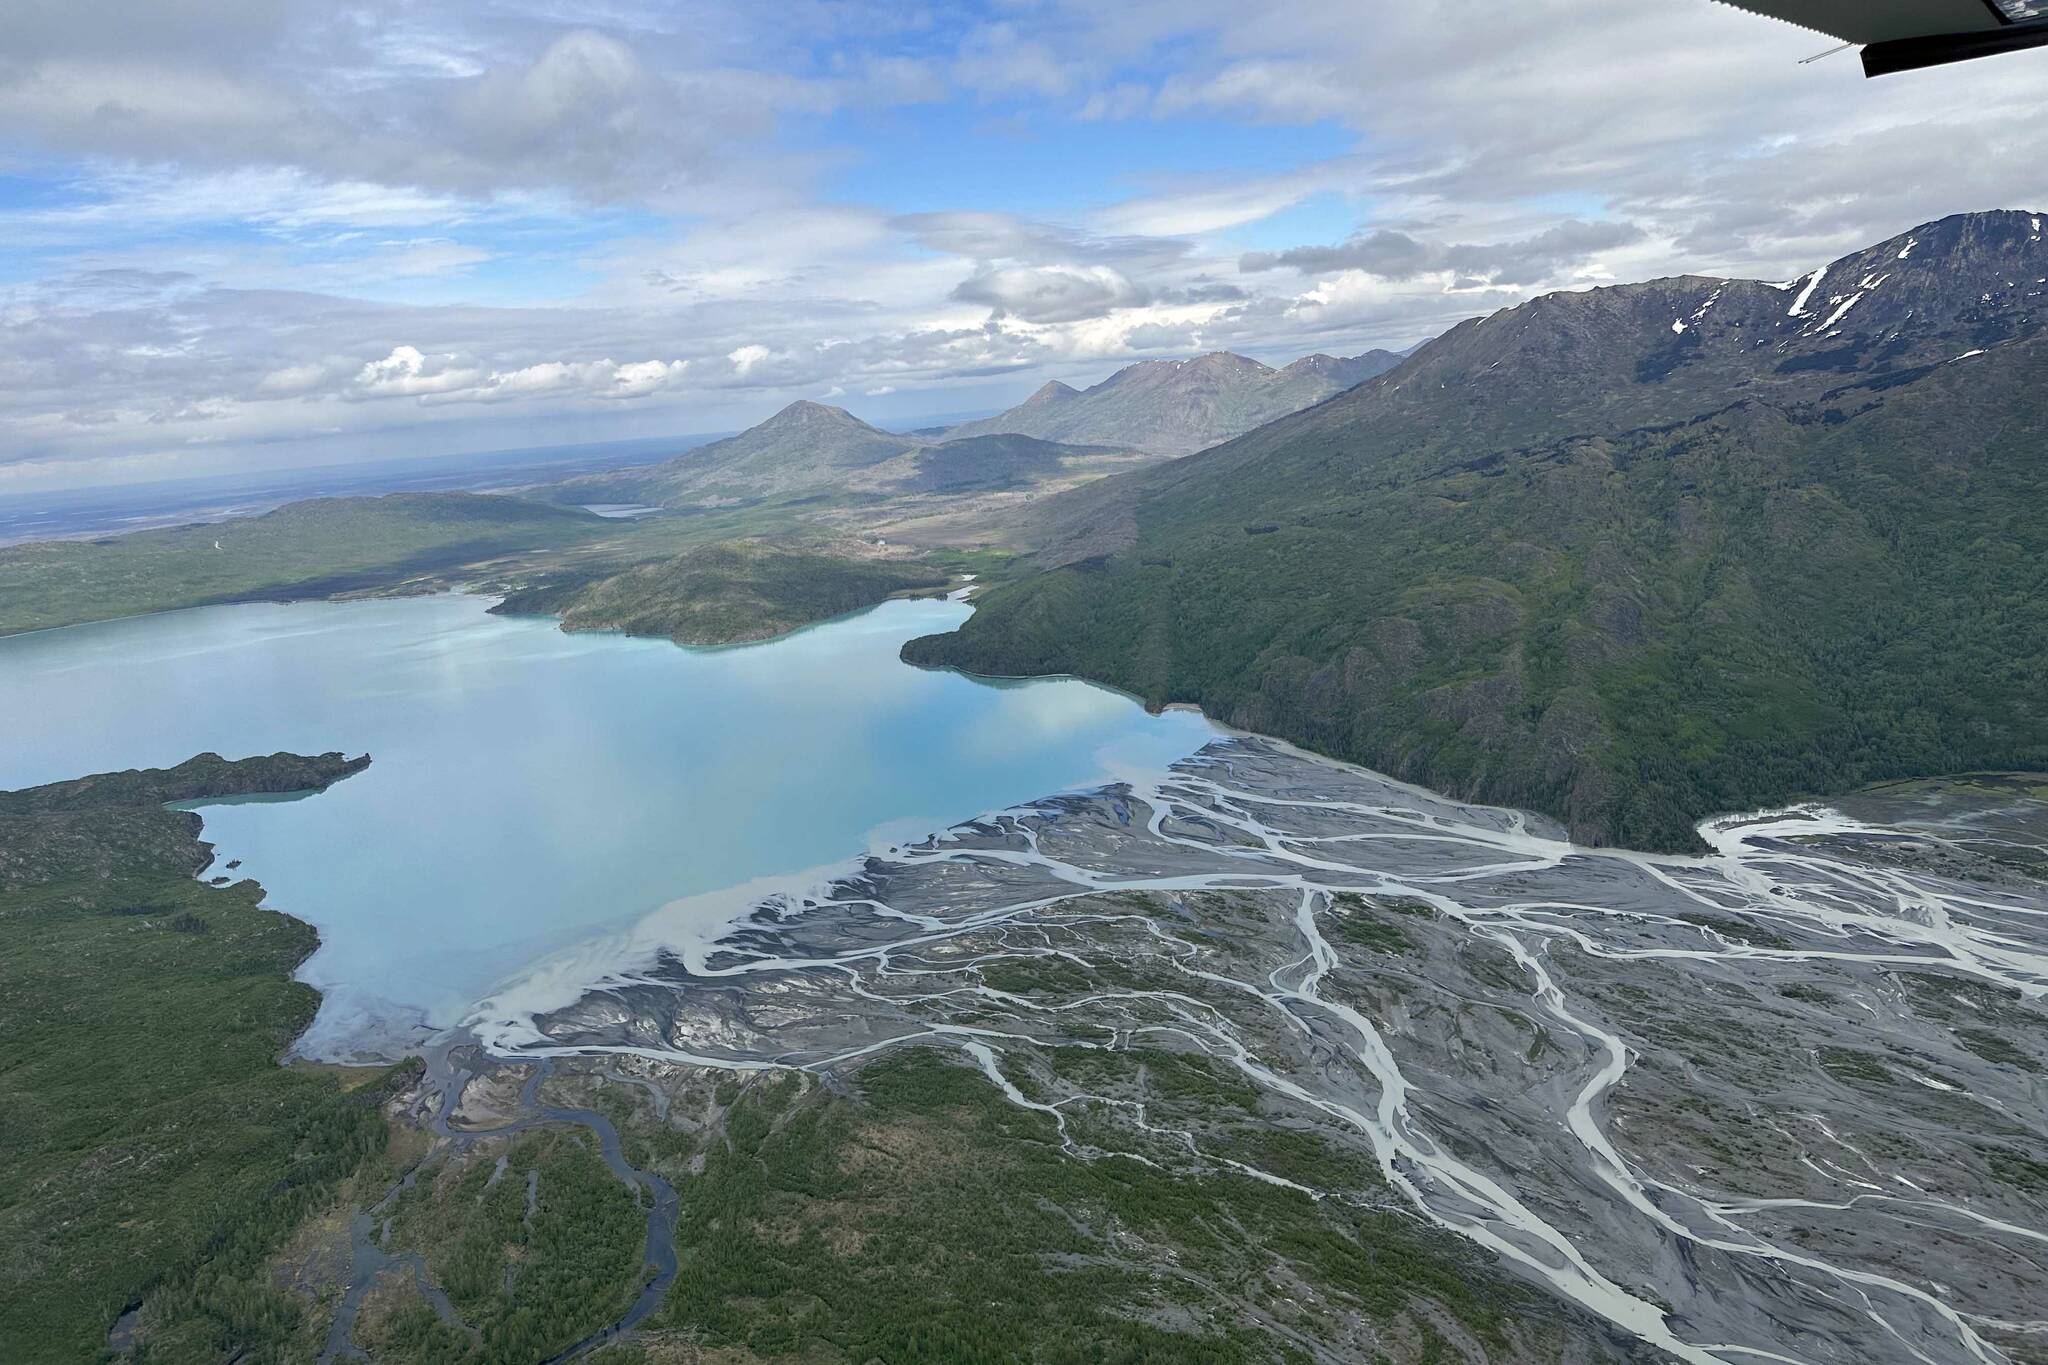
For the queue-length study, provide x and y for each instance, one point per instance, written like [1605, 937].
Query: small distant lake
[531, 788]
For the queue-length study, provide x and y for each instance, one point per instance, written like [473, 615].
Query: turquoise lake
[530, 788]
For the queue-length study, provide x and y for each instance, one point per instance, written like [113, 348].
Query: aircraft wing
[1904, 35]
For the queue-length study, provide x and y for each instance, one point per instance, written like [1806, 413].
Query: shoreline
[1603, 1105]
[390, 1034]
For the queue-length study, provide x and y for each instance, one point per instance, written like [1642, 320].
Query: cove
[530, 788]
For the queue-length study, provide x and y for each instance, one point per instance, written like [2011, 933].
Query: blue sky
[242, 234]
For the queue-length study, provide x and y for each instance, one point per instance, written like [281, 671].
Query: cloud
[244, 221]
[998, 60]
[1050, 294]
[408, 373]
[745, 358]
[992, 236]
[448, 378]
[1392, 255]
[1192, 211]
[1047, 275]
[292, 380]
[407, 260]
[579, 113]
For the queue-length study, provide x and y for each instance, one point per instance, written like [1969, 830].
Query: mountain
[1156, 407]
[1630, 556]
[806, 445]
[810, 447]
[1338, 373]
[1173, 407]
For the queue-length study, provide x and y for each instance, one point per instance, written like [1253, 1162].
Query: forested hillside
[1632, 556]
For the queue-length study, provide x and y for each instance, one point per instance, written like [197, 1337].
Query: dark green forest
[151, 1144]
[1630, 632]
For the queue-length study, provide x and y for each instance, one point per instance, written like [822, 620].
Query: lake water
[531, 789]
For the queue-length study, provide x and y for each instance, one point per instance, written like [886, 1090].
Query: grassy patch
[1037, 975]
[1996, 1047]
[2017, 1168]
[1806, 993]
[1361, 922]
[1850, 1064]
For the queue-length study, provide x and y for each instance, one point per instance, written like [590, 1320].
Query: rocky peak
[1319, 363]
[1225, 363]
[1641, 352]
[805, 414]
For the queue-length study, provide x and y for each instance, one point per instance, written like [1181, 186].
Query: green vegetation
[691, 575]
[534, 1254]
[1305, 1158]
[989, 564]
[152, 1146]
[929, 1219]
[1808, 994]
[1852, 1064]
[202, 777]
[1356, 920]
[308, 549]
[1997, 1048]
[722, 593]
[1034, 975]
[1190, 1083]
[1630, 631]
[984, 464]
[2018, 1169]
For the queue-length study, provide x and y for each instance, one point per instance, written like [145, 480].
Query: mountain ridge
[1515, 394]
[1579, 557]
[1175, 407]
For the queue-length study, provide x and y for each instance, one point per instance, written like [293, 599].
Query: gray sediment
[1786, 1099]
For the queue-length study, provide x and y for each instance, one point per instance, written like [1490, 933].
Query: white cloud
[1392, 255]
[409, 373]
[745, 358]
[292, 380]
[257, 199]
[1050, 293]
[1193, 212]
[643, 377]
[408, 260]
